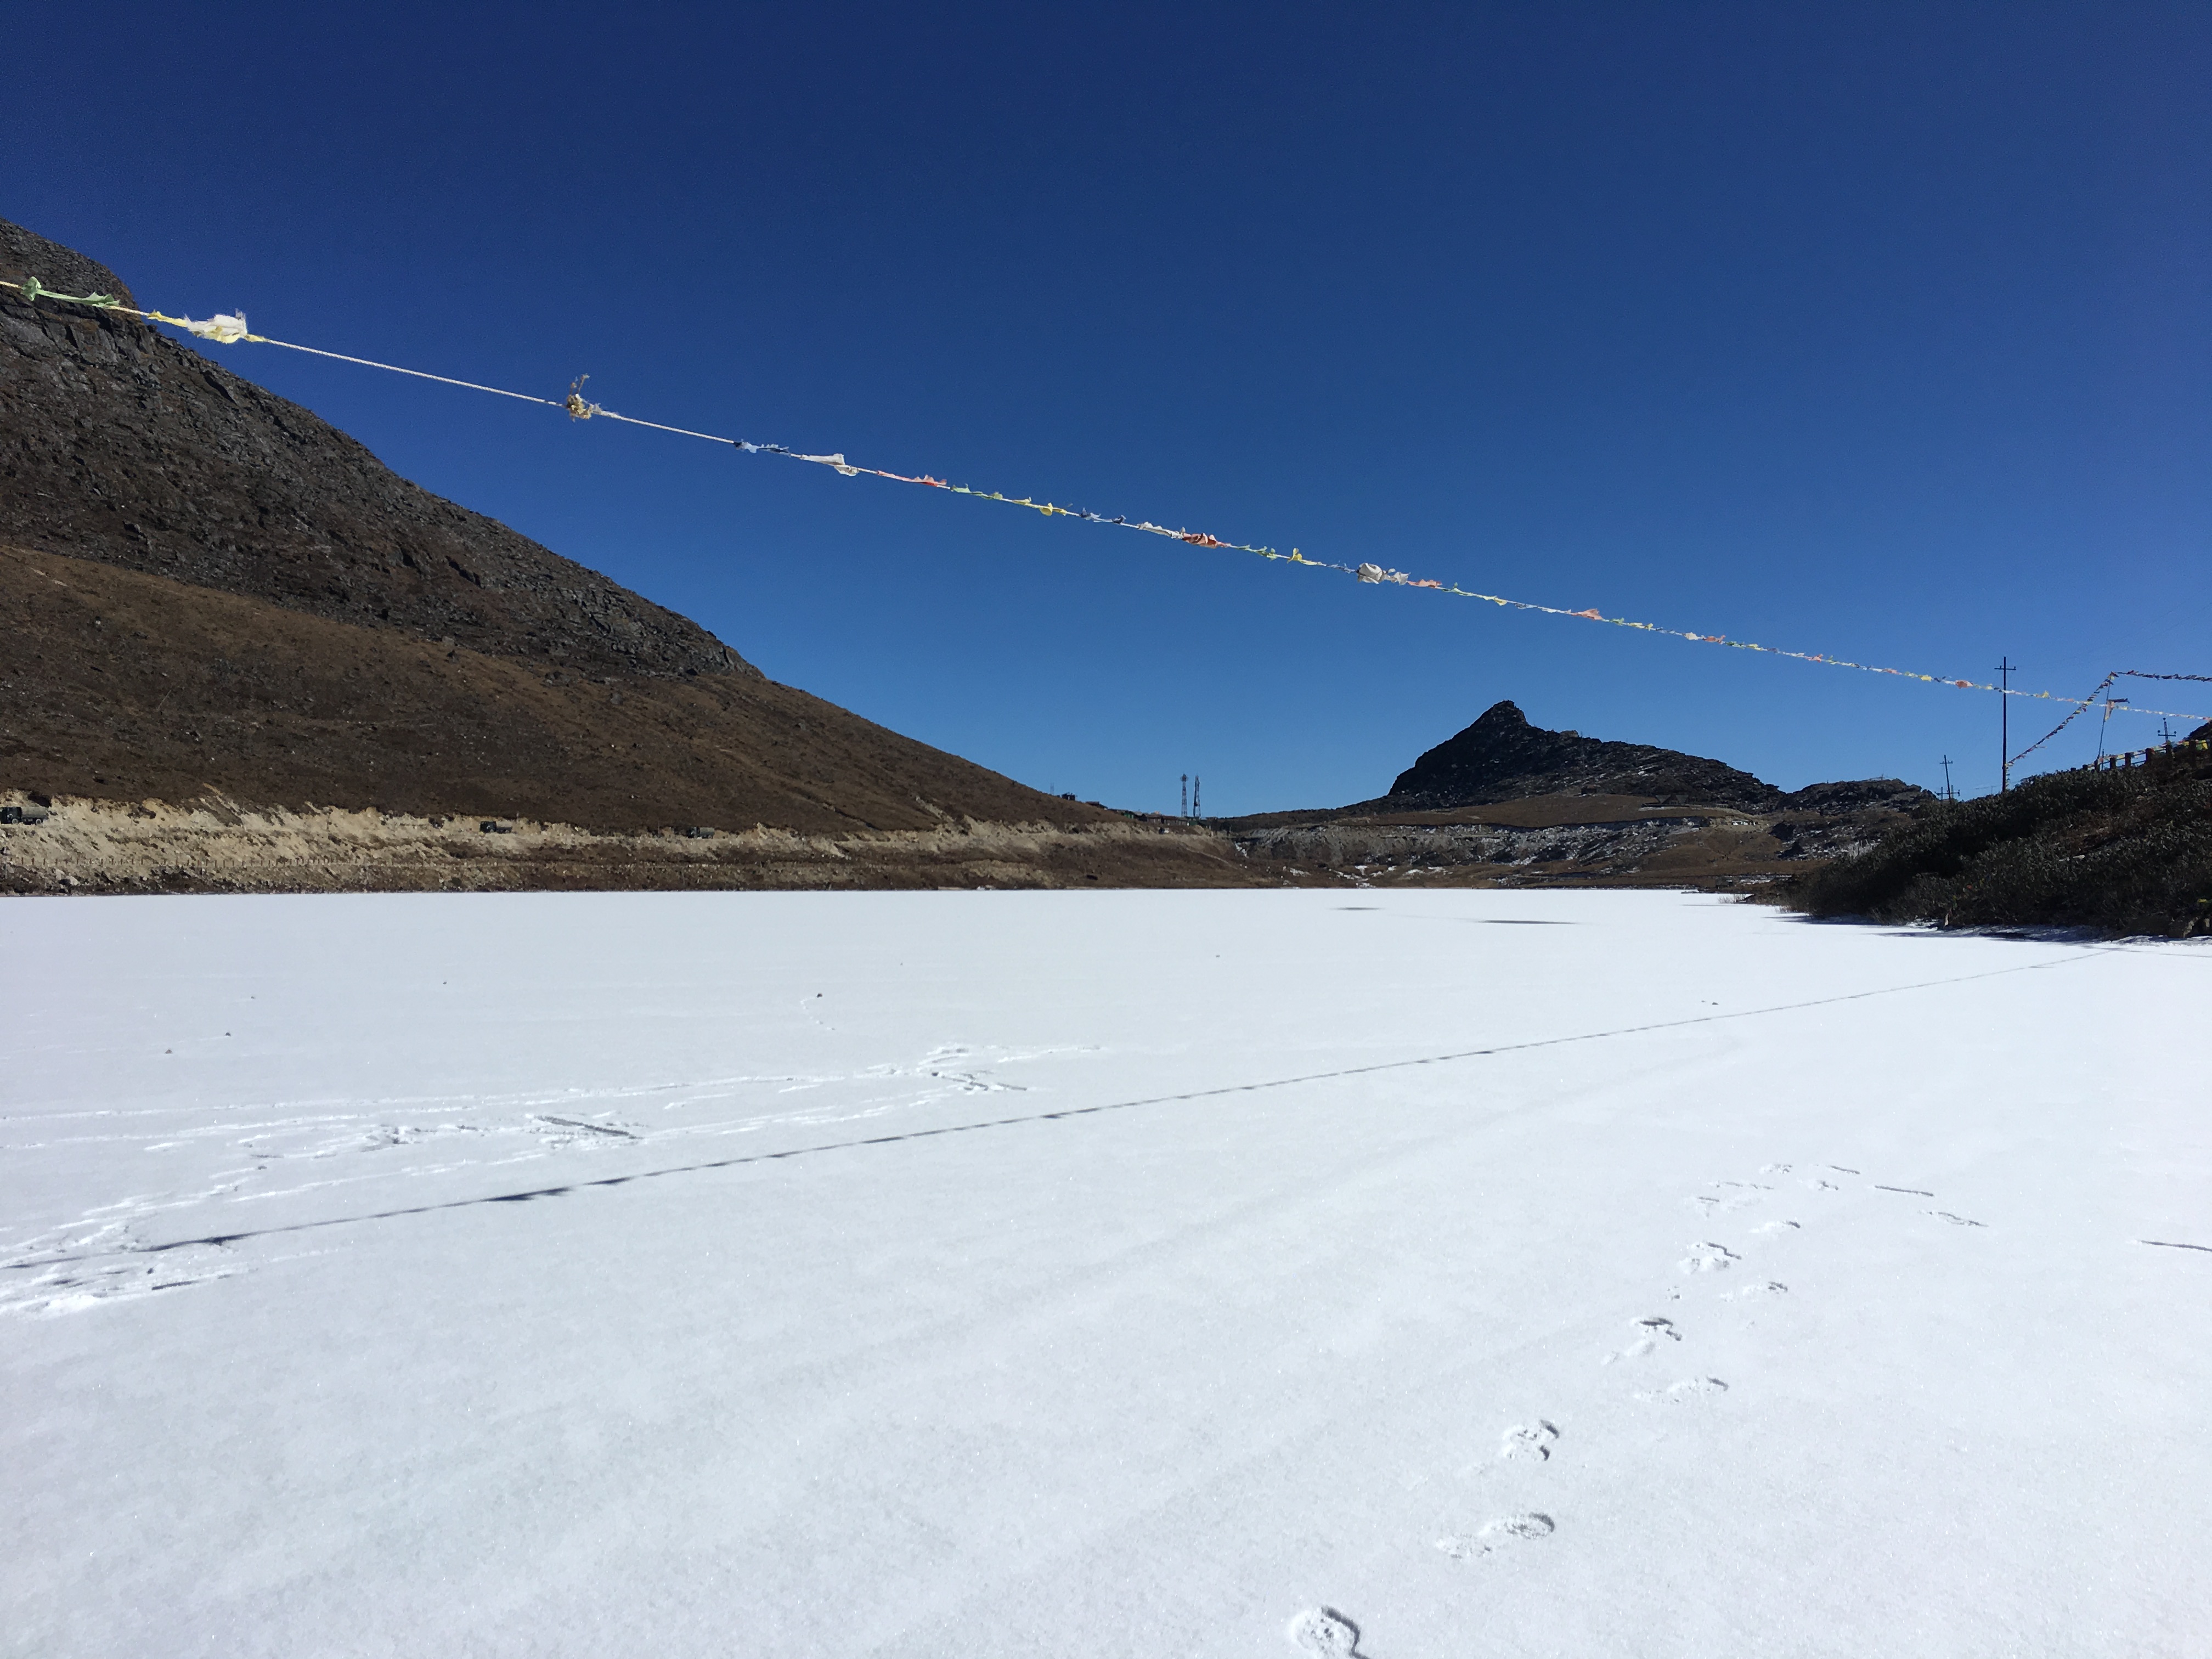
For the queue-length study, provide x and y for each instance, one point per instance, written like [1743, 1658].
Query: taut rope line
[231, 329]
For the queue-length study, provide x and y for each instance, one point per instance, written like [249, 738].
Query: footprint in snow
[557, 1132]
[1753, 1293]
[1774, 1169]
[74, 1287]
[1709, 1259]
[1689, 1389]
[1495, 1535]
[1956, 1220]
[1650, 1334]
[1776, 1227]
[1529, 1441]
[1815, 1183]
[1326, 1631]
[1745, 1195]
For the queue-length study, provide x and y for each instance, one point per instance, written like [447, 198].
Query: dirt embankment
[72, 845]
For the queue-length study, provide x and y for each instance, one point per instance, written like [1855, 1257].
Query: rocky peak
[1501, 757]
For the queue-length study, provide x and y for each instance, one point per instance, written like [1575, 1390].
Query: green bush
[2126, 852]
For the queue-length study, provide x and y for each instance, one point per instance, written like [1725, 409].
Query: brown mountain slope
[205, 588]
[123, 686]
[119, 443]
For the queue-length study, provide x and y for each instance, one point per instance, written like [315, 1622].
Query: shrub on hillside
[2127, 852]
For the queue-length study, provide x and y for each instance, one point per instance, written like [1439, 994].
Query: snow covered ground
[1205, 1274]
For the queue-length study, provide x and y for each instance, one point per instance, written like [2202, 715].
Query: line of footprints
[1332, 1634]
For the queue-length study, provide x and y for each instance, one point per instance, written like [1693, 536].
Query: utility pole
[2005, 665]
[1948, 794]
[2109, 700]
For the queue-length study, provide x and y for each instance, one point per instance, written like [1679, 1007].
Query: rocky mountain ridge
[119, 444]
[1502, 757]
[1503, 800]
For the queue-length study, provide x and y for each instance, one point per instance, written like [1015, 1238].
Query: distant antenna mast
[1185, 796]
[2005, 665]
[1195, 811]
[1949, 793]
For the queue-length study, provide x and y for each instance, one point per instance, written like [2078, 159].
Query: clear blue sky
[1879, 331]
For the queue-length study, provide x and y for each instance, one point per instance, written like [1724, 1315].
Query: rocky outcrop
[119, 443]
[1861, 795]
[1503, 757]
[1506, 801]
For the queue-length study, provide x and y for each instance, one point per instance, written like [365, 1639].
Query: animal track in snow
[1914, 1191]
[1689, 1389]
[1956, 1220]
[1776, 1227]
[1840, 1170]
[1744, 1193]
[1326, 1631]
[1709, 1259]
[560, 1132]
[1650, 1334]
[392, 1134]
[1774, 1169]
[1529, 1441]
[1752, 1292]
[76, 1286]
[1495, 1535]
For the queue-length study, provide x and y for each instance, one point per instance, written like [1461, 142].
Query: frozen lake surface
[1421, 1276]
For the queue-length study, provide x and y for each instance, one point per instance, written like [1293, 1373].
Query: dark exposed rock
[119, 443]
[1863, 795]
[1502, 757]
[1559, 806]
